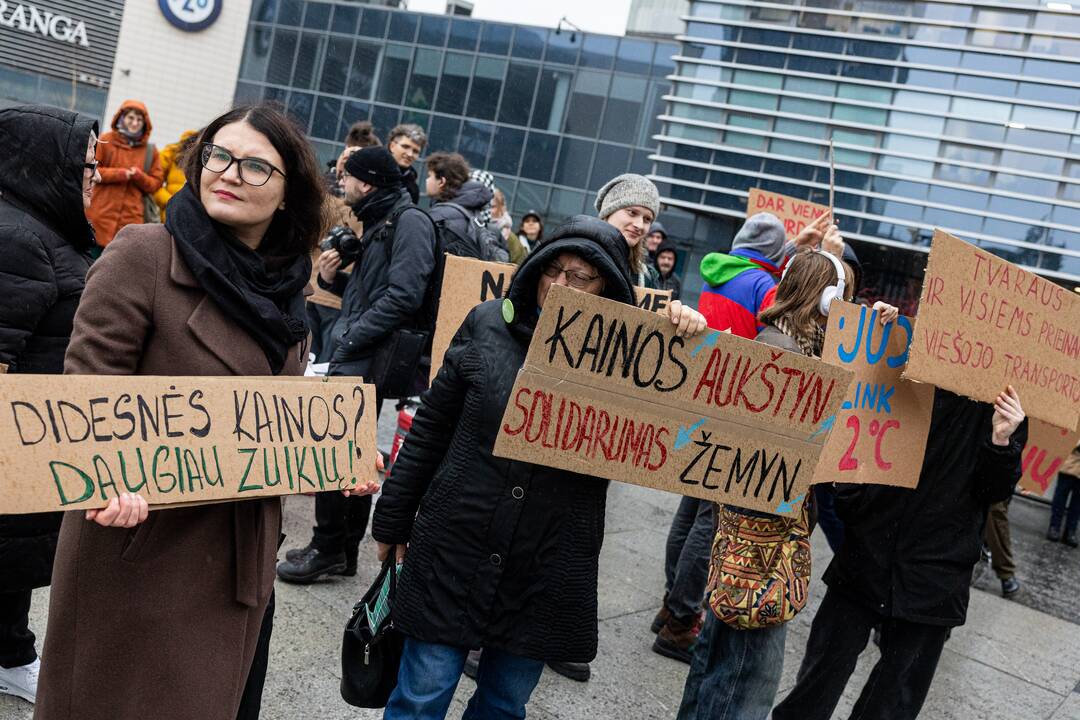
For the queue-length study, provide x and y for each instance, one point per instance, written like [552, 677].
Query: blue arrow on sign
[708, 341]
[826, 425]
[786, 507]
[683, 436]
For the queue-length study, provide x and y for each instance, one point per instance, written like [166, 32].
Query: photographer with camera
[382, 300]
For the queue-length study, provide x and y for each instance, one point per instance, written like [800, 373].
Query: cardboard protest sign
[70, 442]
[879, 436]
[984, 323]
[468, 282]
[610, 391]
[1046, 449]
[796, 214]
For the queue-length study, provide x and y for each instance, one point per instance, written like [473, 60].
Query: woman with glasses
[497, 554]
[47, 172]
[158, 615]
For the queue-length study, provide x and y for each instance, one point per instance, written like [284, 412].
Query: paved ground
[1009, 661]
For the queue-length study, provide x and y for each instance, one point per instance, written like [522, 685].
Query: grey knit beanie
[626, 191]
[763, 232]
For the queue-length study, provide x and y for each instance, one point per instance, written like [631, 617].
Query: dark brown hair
[452, 168]
[798, 296]
[362, 134]
[298, 228]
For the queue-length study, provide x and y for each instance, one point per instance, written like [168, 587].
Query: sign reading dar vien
[984, 324]
[610, 391]
[796, 214]
[879, 436]
[74, 442]
[468, 282]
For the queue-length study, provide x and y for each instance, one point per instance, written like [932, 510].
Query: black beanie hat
[375, 166]
[666, 245]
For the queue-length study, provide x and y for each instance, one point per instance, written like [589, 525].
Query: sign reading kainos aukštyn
[48, 24]
[610, 391]
[72, 442]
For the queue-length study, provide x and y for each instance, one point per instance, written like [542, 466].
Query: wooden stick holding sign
[70, 442]
[468, 282]
[879, 436]
[984, 324]
[832, 183]
[611, 391]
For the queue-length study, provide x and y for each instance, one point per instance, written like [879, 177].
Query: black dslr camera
[345, 241]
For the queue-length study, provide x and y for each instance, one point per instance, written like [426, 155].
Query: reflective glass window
[997, 39]
[911, 145]
[336, 65]
[475, 142]
[751, 163]
[818, 43]
[893, 209]
[985, 86]
[799, 127]
[394, 73]
[1005, 229]
[905, 166]
[300, 106]
[552, 95]
[1049, 93]
[859, 114]
[425, 75]
[856, 137]
[597, 51]
[574, 163]
[902, 188]
[433, 29]
[1026, 185]
[640, 162]
[518, 93]
[317, 16]
[924, 102]
[942, 11]
[587, 103]
[345, 19]
[566, 203]
[707, 52]
[464, 34]
[810, 86]
[384, 119]
[758, 79]
[403, 26]
[655, 107]
[806, 108]
[282, 55]
[925, 78]
[1046, 164]
[880, 50]
[712, 31]
[968, 176]
[967, 153]
[256, 56]
[983, 132]
[354, 112]
[530, 196]
[783, 168]
[950, 220]
[364, 61]
[1002, 18]
[561, 49]
[931, 56]
[486, 88]
[866, 71]
[868, 93]
[290, 12]
[373, 22]
[610, 160]
[635, 56]
[443, 132]
[1058, 22]
[623, 109]
[1065, 216]
[758, 57]
[506, 150]
[1037, 139]
[495, 39]
[663, 65]
[1050, 45]
[528, 43]
[757, 36]
[1045, 117]
[981, 109]
[960, 198]
[818, 66]
[986, 62]
[1018, 208]
[275, 95]
[795, 149]
[690, 132]
[454, 83]
[308, 57]
[745, 98]
[914, 121]
[938, 34]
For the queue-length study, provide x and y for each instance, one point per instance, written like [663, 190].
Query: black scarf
[376, 205]
[264, 295]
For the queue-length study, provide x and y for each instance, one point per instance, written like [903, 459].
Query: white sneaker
[21, 681]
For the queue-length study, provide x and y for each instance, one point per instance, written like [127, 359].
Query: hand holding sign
[687, 321]
[125, 511]
[1008, 414]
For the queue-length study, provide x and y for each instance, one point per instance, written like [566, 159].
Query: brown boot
[661, 619]
[676, 639]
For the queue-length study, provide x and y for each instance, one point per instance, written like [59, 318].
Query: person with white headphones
[736, 672]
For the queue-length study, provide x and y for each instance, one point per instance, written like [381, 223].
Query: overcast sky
[602, 16]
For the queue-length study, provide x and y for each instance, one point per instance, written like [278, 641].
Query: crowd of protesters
[231, 252]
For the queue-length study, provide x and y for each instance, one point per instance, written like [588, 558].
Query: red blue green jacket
[735, 288]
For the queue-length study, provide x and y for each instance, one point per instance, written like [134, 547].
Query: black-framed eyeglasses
[574, 278]
[253, 171]
[91, 166]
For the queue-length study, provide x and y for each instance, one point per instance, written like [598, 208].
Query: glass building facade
[958, 115]
[553, 115]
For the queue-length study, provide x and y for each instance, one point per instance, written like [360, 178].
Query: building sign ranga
[26, 17]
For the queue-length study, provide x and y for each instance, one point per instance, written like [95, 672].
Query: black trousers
[16, 640]
[251, 701]
[897, 686]
[340, 522]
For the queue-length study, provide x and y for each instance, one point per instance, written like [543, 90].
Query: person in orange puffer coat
[172, 168]
[121, 154]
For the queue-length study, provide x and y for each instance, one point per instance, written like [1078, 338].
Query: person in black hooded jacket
[906, 561]
[47, 171]
[501, 554]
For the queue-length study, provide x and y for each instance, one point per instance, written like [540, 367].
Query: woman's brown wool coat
[159, 621]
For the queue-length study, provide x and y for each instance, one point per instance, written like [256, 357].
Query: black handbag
[397, 362]
[370, 656]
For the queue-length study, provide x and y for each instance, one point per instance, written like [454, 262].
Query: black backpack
[481, 239]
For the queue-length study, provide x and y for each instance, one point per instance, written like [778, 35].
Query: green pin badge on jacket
[508, 310]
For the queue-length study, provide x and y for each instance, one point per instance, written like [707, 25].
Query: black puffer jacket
[44, 237]
[908, 554]
[386, 289]
[502, 554]
[472, 196]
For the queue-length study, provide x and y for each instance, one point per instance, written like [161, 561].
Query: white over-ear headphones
[831, 292]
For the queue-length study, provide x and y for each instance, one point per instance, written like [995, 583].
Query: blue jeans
[734, 674]
[827, 519]
[429, 674]
[686, 564]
